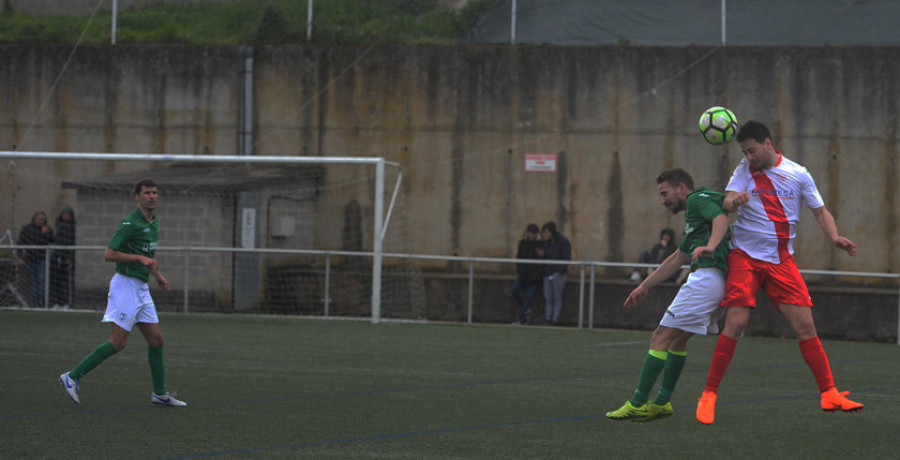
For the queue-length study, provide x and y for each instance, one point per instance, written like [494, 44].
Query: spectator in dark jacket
[37, 233]
[556, 247]
[530, 275]
[62, 261]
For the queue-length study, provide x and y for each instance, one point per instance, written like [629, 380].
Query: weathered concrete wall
[460, 119]
[109, 99]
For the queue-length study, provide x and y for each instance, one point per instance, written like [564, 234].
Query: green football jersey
[135, 235]
[703, 205]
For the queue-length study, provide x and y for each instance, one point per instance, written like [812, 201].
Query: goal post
[381, 217]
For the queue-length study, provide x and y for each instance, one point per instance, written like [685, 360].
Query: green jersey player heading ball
[132, 248]
[695, 309]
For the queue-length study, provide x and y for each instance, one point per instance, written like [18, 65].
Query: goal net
[282, 235]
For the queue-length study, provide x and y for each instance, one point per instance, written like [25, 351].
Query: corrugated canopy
[202, 179]
[692, 22]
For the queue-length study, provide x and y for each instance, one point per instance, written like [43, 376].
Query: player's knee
[119, 344]
[805, 330]
[736, 326]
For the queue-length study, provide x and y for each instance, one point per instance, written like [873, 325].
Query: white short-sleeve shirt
[766, 226]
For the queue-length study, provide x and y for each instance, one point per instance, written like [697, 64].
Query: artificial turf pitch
[285, 387]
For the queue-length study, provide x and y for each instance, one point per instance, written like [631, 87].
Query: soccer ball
[718, 125]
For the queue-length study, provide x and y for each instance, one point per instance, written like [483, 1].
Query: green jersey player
[695, 309]
[132, 248]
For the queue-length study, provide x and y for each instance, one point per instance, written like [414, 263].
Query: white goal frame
[380, 219]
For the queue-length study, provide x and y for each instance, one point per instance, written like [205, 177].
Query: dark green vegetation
[237, 22]
[275, 387]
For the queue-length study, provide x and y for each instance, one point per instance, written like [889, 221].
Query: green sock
[671, 373]
[103, 351]
[157, 369]
[653, 365]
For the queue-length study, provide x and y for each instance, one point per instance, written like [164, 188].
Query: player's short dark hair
[139, 185]
[676, 176]
[533, 228]
[754, 130]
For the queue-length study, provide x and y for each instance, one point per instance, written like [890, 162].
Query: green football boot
[627, 411]
[656, 411]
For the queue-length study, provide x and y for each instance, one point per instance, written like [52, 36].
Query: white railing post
[115, 9]
[46, 279]
[724, 17]
[377, 241]
[471, 298]
[327, 282]
[581, 297]
[187, 278]
[309, 21]
[591, 297]
[512, 23]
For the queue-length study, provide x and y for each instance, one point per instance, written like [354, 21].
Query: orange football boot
[706, 407]
[833, 400]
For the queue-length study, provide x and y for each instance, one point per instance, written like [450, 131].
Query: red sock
[721, 358]
[815, 358]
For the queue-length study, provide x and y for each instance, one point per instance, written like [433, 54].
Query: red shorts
[782, 282]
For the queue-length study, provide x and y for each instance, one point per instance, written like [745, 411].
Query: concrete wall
[460, 119]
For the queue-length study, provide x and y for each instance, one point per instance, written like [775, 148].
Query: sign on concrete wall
[540, 162]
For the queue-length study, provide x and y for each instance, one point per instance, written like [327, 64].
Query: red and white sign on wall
[540, 162]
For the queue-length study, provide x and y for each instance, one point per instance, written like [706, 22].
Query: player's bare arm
[829, 226]
[719, 229]
[734, 200]
[160, 279]
[666, 269]
[111, 255]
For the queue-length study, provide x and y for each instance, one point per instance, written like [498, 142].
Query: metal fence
[184, 271]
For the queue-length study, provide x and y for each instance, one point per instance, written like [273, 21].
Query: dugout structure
[226, 213]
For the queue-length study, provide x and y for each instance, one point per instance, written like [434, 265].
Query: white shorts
[129, 302]
[696, 306]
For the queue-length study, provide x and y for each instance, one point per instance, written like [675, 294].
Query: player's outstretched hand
[636, 296]
[845, 245]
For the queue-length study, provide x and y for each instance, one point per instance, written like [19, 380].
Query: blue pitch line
[347, 394]
[383, 437]
[389, 436]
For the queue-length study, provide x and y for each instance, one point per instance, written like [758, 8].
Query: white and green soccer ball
[718, 125]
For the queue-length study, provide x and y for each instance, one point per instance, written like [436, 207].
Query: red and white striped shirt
[766, 226]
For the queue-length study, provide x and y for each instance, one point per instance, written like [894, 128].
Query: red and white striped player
[768, 190]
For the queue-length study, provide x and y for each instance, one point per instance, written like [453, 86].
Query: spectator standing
[62, 261]
[36, 233]
[530, 276]
[555, 247]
